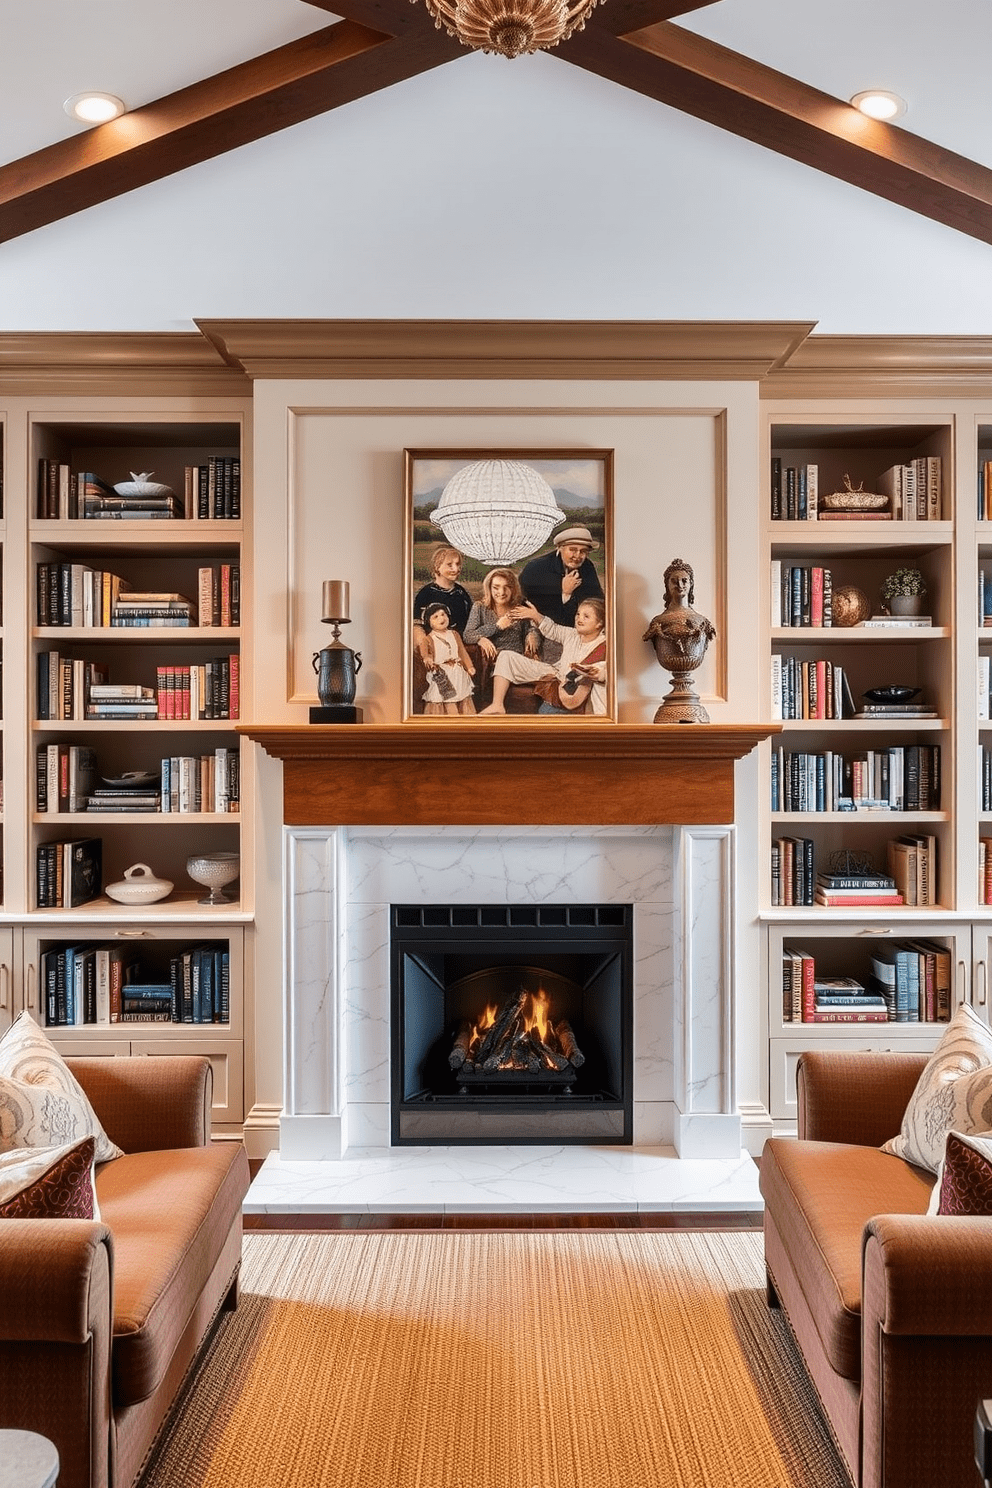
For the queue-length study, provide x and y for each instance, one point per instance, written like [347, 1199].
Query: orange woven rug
[582, 1359]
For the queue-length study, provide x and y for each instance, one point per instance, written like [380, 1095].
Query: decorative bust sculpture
[680, 638]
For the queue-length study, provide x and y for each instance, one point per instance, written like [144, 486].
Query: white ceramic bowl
[139, 886]
[140, 485]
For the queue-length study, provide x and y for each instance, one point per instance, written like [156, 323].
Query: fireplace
[511, 1023]
[646, 822]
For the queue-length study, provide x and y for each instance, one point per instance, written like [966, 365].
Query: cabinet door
[11, 999]
[226, 1060]
[981, 960]
[784, 1058]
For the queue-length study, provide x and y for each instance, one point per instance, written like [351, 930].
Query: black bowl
[891, 694]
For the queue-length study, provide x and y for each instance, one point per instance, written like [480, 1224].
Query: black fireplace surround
[557, 980]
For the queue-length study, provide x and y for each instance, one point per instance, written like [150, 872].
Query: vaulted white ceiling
[483, 186]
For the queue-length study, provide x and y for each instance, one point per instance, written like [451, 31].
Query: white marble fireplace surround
[335, 1129]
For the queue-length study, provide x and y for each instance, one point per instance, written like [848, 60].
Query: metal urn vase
[337, 668]
[680, 637]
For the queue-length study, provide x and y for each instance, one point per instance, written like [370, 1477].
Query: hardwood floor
[662, 1220]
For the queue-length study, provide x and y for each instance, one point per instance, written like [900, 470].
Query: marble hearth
[334, 1132]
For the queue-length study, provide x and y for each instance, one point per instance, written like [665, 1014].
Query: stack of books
[895, 622]
[118, 798]
[153, 609]
[125, 700]
[845, 1000]
[809, 998]
[851, 890]
[896, 710]
[160, 505]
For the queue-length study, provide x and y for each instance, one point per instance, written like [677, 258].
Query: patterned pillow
[42, 1104]
[954, 1091]
[48, 1182]
[964, 1182]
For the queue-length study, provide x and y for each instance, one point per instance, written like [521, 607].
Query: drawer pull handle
[30, 992]
[962, 969]
[879, 930]
[4, 985]
[983, 999]
[132, 934]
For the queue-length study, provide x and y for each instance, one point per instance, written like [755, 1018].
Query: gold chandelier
[510, 27]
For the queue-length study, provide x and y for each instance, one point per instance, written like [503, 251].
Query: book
[856, 881]
[855, 516]
[866, 1000]
[895, 622]
[838, 901]
[848, 1015]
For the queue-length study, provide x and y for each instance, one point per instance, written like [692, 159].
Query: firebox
[511, 1024]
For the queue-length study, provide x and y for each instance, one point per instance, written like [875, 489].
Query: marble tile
[485, 1180]
[498, 865]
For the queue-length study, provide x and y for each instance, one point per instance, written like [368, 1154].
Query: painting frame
[581, 485]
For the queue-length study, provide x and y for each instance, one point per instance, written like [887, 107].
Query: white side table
[27, 1460]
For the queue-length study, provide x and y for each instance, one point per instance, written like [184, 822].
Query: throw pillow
[48, 1182]
[964, 1181]
[954, 1091]
[42, 1104]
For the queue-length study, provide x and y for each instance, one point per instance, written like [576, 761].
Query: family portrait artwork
[509, 573]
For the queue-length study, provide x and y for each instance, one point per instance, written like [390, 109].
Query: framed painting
[509, 585]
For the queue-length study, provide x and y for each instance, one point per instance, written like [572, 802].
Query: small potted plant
[903, 591]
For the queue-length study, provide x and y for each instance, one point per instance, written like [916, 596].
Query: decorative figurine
[337, 666]
[680, 637]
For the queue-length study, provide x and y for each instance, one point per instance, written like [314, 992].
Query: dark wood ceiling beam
[710, 82]
[308, 77]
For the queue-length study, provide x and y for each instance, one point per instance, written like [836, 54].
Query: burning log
[506, 1018]
[459, 1050]
[524, 1055]
[550, 1058]
[569, 1047]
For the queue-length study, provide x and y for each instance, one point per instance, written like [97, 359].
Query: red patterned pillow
[53, 1184]
[966, 1179]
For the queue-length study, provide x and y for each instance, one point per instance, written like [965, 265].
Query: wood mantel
[506, 773]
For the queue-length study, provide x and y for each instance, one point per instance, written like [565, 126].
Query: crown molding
[152, 364]
[884, 367]
[610, 350]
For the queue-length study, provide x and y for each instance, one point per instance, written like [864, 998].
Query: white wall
[496, 189]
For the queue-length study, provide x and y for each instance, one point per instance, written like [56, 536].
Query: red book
[234, 686]
[838, 900]
[816, 597]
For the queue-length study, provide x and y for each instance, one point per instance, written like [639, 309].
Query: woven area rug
[499, 1360]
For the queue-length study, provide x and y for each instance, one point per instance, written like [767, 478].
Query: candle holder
[336, 666]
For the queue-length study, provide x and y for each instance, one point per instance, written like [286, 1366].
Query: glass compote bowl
[213, 871]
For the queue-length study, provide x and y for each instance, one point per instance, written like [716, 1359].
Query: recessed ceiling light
[93, 108]
[878, 103]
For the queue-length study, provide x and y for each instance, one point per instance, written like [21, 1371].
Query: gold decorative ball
[850, 605]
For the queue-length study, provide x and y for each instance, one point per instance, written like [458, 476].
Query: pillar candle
[336, 599]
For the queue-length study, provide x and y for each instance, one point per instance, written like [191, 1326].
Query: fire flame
[537, 1020]
[540, 1004]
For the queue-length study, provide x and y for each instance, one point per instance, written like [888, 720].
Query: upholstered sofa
[100, 1320]
[891, 1307]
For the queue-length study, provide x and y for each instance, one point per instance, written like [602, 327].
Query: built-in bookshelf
[863, 792]
[126, 580]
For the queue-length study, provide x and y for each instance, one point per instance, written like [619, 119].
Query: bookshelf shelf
[117, 635]
[861, 818]
[144, 726]
[815, 635]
